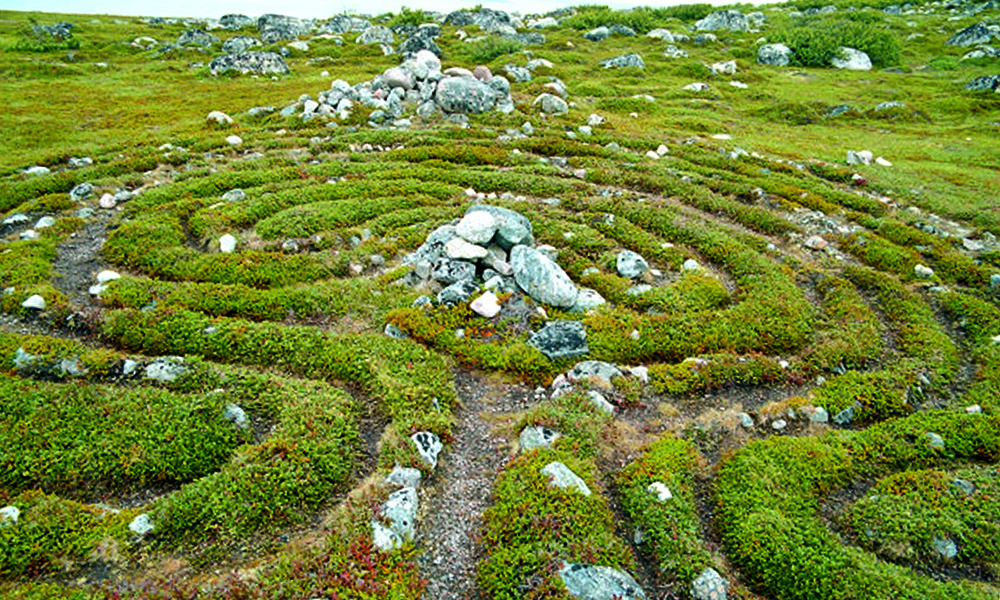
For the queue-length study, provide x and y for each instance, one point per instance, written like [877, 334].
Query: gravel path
[448, 529]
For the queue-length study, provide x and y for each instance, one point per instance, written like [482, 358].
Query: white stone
[107, 201]
[234, 140]
[652, 154]
[36, 302]
[975, 409]
[691, 265]
[662, 150]
[218, 117]
[852, 60]
[882, 162]
[486, 305]
[562, 477]
[428, 446]
[106, 276]
[9, 513]
[97, 290]
[601, 402]
[641, 372]
[923, 272]
[863, 157]
[227, 244]
[141, 525]
[459, 249]
[697, 86]
[45, 222]
[739, 85]
[660, 490]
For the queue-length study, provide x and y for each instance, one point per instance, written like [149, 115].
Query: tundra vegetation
[222, 371]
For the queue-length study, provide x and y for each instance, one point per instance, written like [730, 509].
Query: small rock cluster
[396, 519]
[418, 84]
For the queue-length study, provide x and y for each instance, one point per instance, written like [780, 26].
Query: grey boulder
[465, 95]
[626, 60]
[776, 55]
[631, 265]
[561, 476]
[541, 278]
[513, 228]
[731, 20]
[595, 582]
[262, 63]
[561, 339]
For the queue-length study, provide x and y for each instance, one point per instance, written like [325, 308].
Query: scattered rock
[599, 583]
[400, 510]
[533, 437]
[935, 440]
[631, 265]
[660, 490]
[428, 446]
[81, 192]
[945, 547]
[777, 55]
[923, 272]
[627, 60]
[731, 20]
[551, 104]
[227, 243]
[561, 339]
[9, 515]
[561, 476]
[197, 37]
[597, 35]
[404, 477]
[986, 82]
[979, 33]
[863, 157]
[709, 586]
[594, 371]
[166, 369]
[218, 118]
[723, 68]
[35, 302]
[487, 305]
[541, 278]
[852, 60]
[141, 525]
[261, 63]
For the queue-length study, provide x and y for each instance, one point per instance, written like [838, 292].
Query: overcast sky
[304, 8]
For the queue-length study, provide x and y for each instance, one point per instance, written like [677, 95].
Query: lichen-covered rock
[596, 582]
[630, 265]
[852, 60]
[428, 446]
[626, 60]
[465, 95]
[262, 63]
[731, 20]
[197, 37]
[240, 43]
[777, 55]
[400, 510]
[533, 437]
[513, 228]
[561, 339]
[597, 35]
[561, 476]
[709, 586]
[541, 278]
[551, 104]
[378, 34]
[979, 33]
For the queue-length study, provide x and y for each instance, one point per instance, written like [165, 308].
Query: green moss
[708, 372]
[768, 497]
[670, 528]
[74, 437]
[906, 512]
[850, 336]
[51, 532]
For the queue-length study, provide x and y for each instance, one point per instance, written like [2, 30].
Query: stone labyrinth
[638, 367]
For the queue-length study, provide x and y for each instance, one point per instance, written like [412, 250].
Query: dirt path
[453, 506]
[79, 260]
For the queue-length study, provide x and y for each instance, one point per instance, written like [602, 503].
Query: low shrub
[670, 528]
[815, 42]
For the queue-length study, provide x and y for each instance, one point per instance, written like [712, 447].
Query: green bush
[487, 49]
[815, 42]
[670, 529]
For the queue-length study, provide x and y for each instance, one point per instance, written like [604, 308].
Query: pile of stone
[731, 20]
[491, 251]
[417, 85]
[60, 31]
[495, 22]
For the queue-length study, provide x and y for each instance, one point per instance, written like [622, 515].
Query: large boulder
[376, 35]
[597, 35]
[986, 82]
[292, 24]
[236, 21]
[197, 37]
[541, 278]
[240, 43]
[777, 55]
[397, 520]
[852, 60]
[595, 582]
[263, 63]
[731, 20]
[344, 24]
[465, 95]
[561, 339]
[627, 60]
[980, 33]
[551, 104]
